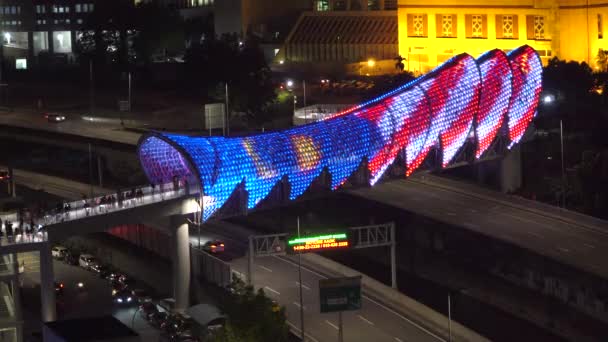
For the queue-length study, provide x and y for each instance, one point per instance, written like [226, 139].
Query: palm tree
[399, 64]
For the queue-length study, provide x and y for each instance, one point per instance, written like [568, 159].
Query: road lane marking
[451, 214]
[265, 268]
[589, 245]
[332, 325]
[272, 290]
[298, 305]
[398, 339]
[296, 329]
[303, 285]
[428, 332]
[566, 250]
[365, 320]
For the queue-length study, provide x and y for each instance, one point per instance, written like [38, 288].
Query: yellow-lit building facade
[432, 31]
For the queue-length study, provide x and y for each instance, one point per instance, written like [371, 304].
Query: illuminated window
[600, 27]
[322, 5]
[477, 26]
[446, 25]
[539, 27]
[507, 26]
[418, 24]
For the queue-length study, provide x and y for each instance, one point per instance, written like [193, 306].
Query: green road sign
[340, 294]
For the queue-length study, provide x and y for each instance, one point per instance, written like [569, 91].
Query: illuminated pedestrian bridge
[464, 101]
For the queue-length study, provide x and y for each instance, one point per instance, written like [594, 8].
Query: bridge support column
[181, 263]
[47, 286]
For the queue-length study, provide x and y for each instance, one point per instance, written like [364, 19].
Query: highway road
[278, 277]
[94, 300]
[74, 125]
[567, 237]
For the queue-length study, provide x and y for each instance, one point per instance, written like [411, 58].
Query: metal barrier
[210, 268]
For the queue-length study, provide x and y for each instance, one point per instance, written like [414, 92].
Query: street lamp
[548, 100]
[289, 84]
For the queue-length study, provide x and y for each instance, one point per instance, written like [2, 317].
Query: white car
[59, 252]
[87, 261]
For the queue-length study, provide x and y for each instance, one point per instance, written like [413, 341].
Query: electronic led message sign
[319, 242]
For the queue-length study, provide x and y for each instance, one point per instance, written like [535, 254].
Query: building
[432, 31]
[31, 28]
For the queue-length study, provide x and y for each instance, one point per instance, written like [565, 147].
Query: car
[141, 295]
[157, 318]
[54, 117]
[107, 272]
[59, 252]
[59, 286]
[214, 246]
[4, 174]
[124, 297]
[103, 271]
[147, 309]
[71, 258]
[87, 261]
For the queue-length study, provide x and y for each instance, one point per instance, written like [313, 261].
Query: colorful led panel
[439, 109]
[527, 71]
[494, 100]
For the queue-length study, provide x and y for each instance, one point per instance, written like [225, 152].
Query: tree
[399, 63]
[602, 60]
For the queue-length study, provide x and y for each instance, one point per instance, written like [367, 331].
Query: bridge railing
[118, 201]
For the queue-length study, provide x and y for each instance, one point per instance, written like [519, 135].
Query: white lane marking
[332, 325]
[272, 290]
[451, 213]
[375, 302]
[398, 339]
[589, 245]
[565, 250]
[265, 268]
[296, 329]
[298, 305]
[303, 285]
[365, 320]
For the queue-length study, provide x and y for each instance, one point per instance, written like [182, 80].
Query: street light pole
[449, 317]
[300, 280]
[561, 138]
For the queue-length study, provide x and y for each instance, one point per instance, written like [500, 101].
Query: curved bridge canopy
[462, 100]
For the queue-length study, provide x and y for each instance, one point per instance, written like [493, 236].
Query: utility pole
[227, 111]
[561, 138]
[91, 89]
[300, 280]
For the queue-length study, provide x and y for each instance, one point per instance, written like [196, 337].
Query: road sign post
[340, 294]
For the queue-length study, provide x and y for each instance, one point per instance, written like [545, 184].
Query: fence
[209, 268]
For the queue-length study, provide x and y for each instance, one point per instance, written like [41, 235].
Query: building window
[477, 26]
[40, 9]
[446, 25]
[79, 21]
[418, 23]
[600, 27]
[539, 27]
[322, 5]
[507, 26]
[78, 8]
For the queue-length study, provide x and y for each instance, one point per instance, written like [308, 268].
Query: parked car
[54, 117]
[71, 258]
[141, 295]
[4, 174]
[87, 261]
[157, 319]
[215, 246]
[117, 287]
[59, 252]
[147, 309]
[59, 288]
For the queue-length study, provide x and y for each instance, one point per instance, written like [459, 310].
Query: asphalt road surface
[94, 300]
[582, 244]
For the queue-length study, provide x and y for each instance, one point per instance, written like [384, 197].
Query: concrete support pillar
[510, 170]
[47, 287]
[100, 170]
[51, 42]
[181, 263]
[30, 47]
[16, 290]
